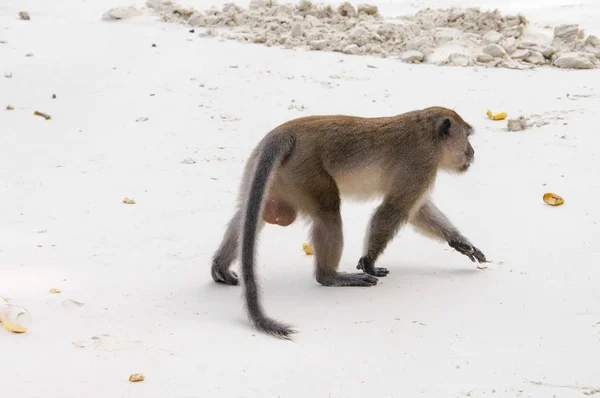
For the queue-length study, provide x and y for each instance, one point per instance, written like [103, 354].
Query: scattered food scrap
[135, 377]
[188, 161]
[55, 290]
[496, 116]
[9, 108]
[307, 249]
[24, 15]
[129, 201]
[8, 75]
[42, 114]
[553, 199]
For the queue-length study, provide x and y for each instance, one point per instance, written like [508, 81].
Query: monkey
[303, 168]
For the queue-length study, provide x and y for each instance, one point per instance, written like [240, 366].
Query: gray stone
[484, 58]
[368, 9]
[574, 61]
[318, 44]
[296, 30]
[566, 31]
[351, 49]
[536, 58]
[593, 41]
[495, 50]
[492, 37]
[459, 59]
[411, 56]
[509, 44]
[197, 20]
[521, 54]
[517, 124]
[347, 10]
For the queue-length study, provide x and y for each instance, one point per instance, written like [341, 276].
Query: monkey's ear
[443, 129]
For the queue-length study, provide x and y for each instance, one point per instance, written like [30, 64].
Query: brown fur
[304, 167]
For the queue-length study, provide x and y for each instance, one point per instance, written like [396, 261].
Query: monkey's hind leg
[227, 253]
[328, 242]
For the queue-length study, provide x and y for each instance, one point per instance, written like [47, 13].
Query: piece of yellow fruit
[553, 199]
[135, 377]
[129, 201]
[55, 290]
[497, 116]
[307, 249]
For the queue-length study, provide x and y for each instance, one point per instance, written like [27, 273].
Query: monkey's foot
[224, 276]
[468, 250]
[367, 266]
[345, 279]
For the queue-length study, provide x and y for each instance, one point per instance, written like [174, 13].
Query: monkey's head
[457, 154]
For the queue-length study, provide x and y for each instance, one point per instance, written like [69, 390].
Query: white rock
[459, 59]
[574, 61]
[495, 50]
[359, 35]
[351, 49]
[536, 58]
[313, 35]
[257, 4]
[296, 30]
[318, 44]
[492, 37]
[455, 14]
[420, 42]
[159, 5]
[484, 58]
[566, 31]
[509, 44]
[304, 5]
[121, 13]
[516, 124]
[347, 10]
[368, 9]
[593, 41]
[411, 56]
[521, 54]
[197, 20]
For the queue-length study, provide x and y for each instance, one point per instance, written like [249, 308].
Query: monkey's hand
[366, 265]
[468, 250]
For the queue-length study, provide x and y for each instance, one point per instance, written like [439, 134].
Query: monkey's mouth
[464, 167]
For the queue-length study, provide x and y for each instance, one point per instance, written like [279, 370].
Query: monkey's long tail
[274, 149]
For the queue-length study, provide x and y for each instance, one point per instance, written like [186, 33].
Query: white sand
[435, 327]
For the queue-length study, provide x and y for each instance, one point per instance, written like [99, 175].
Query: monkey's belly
[279, 212]
[361, 184]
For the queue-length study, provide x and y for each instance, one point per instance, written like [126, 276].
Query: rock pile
[462, 37]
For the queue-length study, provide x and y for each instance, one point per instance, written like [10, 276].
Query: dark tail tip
[274, 328]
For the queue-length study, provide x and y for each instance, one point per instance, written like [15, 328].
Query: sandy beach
[156, 112]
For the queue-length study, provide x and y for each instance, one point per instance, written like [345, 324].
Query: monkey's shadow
[288, 290]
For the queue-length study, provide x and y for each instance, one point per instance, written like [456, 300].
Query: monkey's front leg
[386, 221]
[430, 221]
